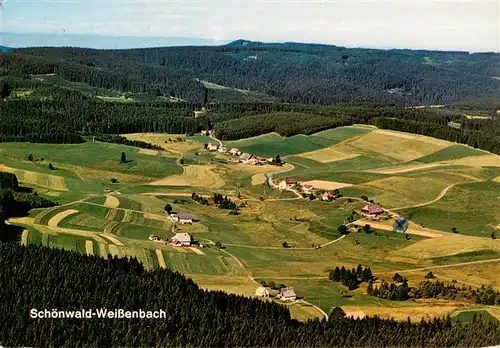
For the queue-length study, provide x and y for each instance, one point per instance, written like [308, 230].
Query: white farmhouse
[181, 239]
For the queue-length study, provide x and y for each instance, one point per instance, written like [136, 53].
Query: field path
[316, 307]
[56, 219]
[112, 238]
[441, 195]
[441, 266]
[161, 259]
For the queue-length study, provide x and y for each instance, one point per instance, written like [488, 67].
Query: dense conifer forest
[41, 278]
[291, 72]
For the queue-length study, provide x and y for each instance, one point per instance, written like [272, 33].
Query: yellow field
[56, 219]
[416, 310]
[328, 154]
[405, 168]
[159, 140]
[87, 173]
[474, 275]
[446, 245]
[258, 172]
[477, 161]
[325, 185]
[161, 259]
[148, 152]
[412, 228]
[89, 248]
[24, 237]
[33, 178]
[399, 191]
[400, 146]
[193, 175]
[111, 202]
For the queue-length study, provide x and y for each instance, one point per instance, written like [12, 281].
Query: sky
[472, 25]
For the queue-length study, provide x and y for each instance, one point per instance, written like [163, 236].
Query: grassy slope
[471, 208]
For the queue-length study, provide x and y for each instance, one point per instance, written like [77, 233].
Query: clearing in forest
[169, 142]
[325, 185]
[193, 175]
[111, 202]
[56, 219]
[39, 179]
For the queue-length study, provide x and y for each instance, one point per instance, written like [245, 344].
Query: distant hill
[287, 72]
[4, 48]
[102, 41]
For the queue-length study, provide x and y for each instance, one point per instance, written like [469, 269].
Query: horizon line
[220, 41]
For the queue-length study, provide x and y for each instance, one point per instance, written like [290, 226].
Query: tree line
[44, 278]
[432, 289]
[351, 278]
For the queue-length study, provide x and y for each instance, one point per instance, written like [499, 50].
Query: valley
[448, 191]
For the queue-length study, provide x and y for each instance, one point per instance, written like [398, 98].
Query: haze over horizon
[452, 25]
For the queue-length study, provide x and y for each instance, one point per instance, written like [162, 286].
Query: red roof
[289, 181]
[373, 209]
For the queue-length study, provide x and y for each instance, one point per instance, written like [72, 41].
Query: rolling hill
[289, 72]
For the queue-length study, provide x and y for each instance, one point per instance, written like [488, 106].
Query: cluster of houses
[372, 211]
[248, 158]
[285, 294]
[180, 239]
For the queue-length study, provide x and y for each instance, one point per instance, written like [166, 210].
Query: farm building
[222, 149]
[262, 291]
[287, 294]
[288, 182]
[247, 158]
[328, 196]
[183, 218]
[307, 188]
[373, 208]
[212, 146]
[372, 211]
[235, 152]
[181, 239]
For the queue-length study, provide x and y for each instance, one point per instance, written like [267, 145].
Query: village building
[247, 158]
[287, 294]
[154, 238]
[181, 239]
[307, 188]
[260, 160]
[372, 211]
[212, 146]
[235, 151]
[287, 183]
[183, 218]
[222, 149]
[328, 196]
[263, 291]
